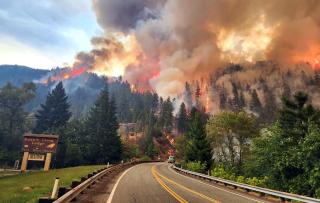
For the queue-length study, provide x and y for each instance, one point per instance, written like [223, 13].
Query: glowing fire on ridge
[66, 74]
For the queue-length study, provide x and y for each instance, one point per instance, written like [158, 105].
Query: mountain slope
[18, 75]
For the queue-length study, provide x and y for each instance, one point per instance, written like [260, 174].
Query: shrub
[220, 172]
[196, 166]
[252, 181]
[241, 179]
[145, 158]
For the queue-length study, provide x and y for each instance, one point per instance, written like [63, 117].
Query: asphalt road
[157, 182]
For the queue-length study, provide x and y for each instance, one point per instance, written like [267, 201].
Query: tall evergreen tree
[255, 104]
[317, 77]
[54, 113]
[166, 115]
[223, 98]
[242, 101]
[188, 96]
[296, 114]
[197, 96]
[286, 90]
[235, 102]
[269, 110]
[198, 148]
[182, 119]
[104, 144]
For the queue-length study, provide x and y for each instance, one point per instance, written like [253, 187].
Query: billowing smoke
[168, 42]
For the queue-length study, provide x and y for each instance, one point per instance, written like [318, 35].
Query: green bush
[252, 181]
[220, 172]
[317, 193]
[241, 179]
[145, 158]
[196, 166]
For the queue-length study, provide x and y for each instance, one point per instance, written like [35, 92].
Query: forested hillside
[82, 91]
[18, 75]
[253, 88]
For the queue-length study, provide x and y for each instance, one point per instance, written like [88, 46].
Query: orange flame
[66, 74]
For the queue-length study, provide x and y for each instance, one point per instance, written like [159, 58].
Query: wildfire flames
[159, 45]
[65, 74]
[114, 61]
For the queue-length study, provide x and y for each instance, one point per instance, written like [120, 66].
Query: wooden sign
[35, 146]
[39, 143]
[36, 157]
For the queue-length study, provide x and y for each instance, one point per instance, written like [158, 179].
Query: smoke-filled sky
[160, 44]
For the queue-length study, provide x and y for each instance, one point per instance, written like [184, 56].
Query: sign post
[35, 146]
[47, 162]
[24, 161]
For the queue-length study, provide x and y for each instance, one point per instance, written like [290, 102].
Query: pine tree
[166, 115]
[269, 110]
[242, 101]
[286, 90]
[188, 96]
[182, 119]
[255, 104]
[197, 96]
[223, 98]
[54, 113]
[102, 125]
[235, 100]
[198, 148]
[317, 77]
[295, 116]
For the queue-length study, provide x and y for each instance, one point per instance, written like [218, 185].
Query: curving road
[157, 182]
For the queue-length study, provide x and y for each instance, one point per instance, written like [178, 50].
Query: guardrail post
[282, 199]
[62, 191]
[45, 200]
[55, 188]
[83, 179]
[75, 183]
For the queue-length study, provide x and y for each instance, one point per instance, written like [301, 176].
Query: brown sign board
[40, 143]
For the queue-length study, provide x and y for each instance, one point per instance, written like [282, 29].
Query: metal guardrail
[76, 191]
[73, 193]
[263, 191]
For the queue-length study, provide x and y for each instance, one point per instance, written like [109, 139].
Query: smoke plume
[162, 44]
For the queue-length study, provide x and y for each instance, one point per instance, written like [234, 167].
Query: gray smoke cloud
[124, 15]
[183, 40]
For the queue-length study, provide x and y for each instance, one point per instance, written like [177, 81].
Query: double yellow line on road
[175, 195]
[156, 174]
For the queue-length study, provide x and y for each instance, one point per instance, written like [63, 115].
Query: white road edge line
[215, 186]
[117, 183]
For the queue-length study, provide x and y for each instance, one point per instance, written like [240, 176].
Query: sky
[45, 33]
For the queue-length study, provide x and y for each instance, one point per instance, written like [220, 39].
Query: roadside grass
[7, 173]
[28, 187]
